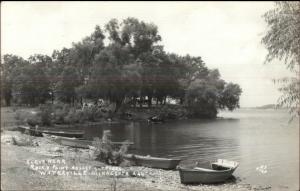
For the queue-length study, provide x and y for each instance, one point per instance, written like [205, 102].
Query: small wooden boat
[154, 162]
[79, 143]
[61, 126]
[155, 119]
[220, 171]
[39, 132]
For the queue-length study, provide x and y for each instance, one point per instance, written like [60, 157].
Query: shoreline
[14, 167]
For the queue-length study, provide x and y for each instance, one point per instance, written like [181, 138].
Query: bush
[46, 114]
[74, 116]
[105, 152]
[92, 113]
[28, 117]
[60, 111]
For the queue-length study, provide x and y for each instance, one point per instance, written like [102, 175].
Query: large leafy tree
[26, 81]
[282, 41]
[48, 74]
[230, 97]
[30, 84]
[123, 67]
[114, 75]
[65, 89]
[83, 53]
[130, 65]
[8, 66]
[207, 93]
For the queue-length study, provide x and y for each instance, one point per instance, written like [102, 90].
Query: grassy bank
[71, 117]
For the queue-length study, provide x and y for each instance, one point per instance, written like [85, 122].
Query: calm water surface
[252, 137]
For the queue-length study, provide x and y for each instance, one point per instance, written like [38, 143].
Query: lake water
[252, 137]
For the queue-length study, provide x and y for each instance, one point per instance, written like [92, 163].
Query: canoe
[79, 143]
[39, 132]
[220, 171]
[153, 162]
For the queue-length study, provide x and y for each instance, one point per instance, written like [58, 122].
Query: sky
[227, 35]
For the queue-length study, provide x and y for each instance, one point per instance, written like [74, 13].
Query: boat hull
[80, 143]
[155, 162]
[64, 133]
[84, 144]
[192, 176]
[220, 171]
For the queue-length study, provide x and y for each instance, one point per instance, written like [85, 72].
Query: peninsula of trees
[122, 62]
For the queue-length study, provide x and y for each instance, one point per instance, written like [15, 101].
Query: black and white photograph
[150, 96]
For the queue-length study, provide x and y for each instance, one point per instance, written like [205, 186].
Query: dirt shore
[18, 174]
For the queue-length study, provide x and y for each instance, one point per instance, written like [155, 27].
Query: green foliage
[282, 38]
[8, 66]
[230, 96]
[28, 117]
[282, 41]
[65, 88]
[104, 150]
[131, 66]
[201, 99]
[46, 114]
[59, 113]
[207, 92]
[26, 81]
[65, 114]
[92, 113]
[74, 116]
[290, 88]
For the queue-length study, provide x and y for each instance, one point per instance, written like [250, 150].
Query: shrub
[74, 116]
[92, 113]
[60, 112]
[27, 117]
[46, 114]
[105, 152]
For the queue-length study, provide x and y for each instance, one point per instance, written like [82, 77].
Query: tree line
[122, 62]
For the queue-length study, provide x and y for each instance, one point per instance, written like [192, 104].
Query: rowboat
[153, 162]
[155, 119]
[220, 171]
[80, 143]
[39, 132]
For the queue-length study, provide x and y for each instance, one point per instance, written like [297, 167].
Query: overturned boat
[220, 171]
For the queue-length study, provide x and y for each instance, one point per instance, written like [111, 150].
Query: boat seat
[204, 169]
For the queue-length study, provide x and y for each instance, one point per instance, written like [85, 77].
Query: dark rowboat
[39, 132]
[79, 143]
[155, 119]
[220, 172]
[154, 162]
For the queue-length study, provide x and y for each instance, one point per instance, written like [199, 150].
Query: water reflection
[252, 137]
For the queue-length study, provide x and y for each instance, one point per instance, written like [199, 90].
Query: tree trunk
[118, 105]
[52, 98]
[7, 100]
[149, 101]
[134, 102]
[165, 98]
[181, 101]
[141, 102]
